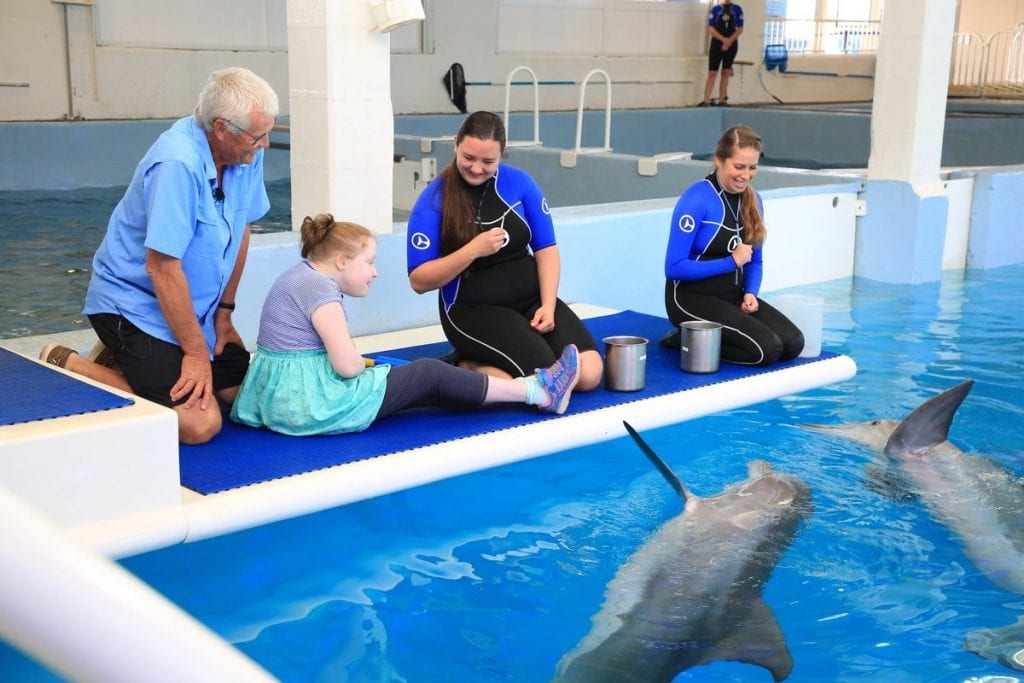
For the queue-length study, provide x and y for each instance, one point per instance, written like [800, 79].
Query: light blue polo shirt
[170, 207]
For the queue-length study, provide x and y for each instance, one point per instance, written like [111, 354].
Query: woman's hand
[750, 304]
[544, 319]
[742, 254]
[440, 271]
[488, 242]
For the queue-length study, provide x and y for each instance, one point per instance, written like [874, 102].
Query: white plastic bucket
[807, 313]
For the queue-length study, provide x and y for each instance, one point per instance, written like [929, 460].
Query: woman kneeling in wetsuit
[713, 263]
[482, 234]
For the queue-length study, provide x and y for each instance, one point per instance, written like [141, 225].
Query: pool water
[494, 576]
[48, 239]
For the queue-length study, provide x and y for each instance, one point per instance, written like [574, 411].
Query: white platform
[95, 467]
[128, 500]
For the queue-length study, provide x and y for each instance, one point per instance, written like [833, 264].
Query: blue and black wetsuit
[703, 281]
[725, 19]
[486, 311]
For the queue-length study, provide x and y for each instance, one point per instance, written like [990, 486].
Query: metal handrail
[567, 158]
[536, 107]
[607, 111]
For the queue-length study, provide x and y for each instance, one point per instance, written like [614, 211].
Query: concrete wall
[115, 59]
[989, 17]
[998, 201]
[118, 59]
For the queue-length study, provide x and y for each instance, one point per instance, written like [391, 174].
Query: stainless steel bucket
[625, 363]
[701, 346]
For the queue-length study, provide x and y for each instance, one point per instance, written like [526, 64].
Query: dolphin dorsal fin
[665, 470]
[928, 424]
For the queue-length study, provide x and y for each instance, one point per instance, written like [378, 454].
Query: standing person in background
[165, 276]
[725, 25]
[482, 234]
[713, 264]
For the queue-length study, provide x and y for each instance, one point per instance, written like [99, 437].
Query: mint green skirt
[299, 393]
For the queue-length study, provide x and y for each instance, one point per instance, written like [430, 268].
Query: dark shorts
[716, 57]
[152, 366]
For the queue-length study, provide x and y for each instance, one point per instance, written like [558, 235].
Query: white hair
[233, 94]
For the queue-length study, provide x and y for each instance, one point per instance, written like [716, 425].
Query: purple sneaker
[560, 379]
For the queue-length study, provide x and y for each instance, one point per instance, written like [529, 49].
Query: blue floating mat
[240, 455]
[30, 391]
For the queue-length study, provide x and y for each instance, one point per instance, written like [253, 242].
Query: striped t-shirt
[285, 323]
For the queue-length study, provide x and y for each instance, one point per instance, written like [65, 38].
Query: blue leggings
[429, 382]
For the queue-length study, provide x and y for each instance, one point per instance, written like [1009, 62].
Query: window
[829, 26]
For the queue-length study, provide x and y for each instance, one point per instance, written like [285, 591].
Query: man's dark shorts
[152, 366]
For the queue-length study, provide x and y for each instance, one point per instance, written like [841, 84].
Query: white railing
[979, 67]
[90, 620]
[829, 37]
[1006, 57]
[967, 65]
[536, 109]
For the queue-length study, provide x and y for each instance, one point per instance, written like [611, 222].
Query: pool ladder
[568, 156]
[536, 108]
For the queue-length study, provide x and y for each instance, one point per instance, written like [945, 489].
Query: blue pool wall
[66, 155]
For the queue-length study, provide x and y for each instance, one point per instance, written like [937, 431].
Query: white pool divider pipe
[88, 619]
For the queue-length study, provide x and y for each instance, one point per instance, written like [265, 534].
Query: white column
[342, 126]
[911, 83]
[902, 235]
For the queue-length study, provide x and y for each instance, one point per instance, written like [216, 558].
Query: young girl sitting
[307, 376]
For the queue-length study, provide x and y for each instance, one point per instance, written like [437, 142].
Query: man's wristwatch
[226, 305]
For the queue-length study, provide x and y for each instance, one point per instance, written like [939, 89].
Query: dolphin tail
[1004, 645]
[665, 470]
[758, 641]
[928, 424]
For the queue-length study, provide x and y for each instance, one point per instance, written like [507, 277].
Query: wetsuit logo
[544, 205]
[419, 241]
[686, 223]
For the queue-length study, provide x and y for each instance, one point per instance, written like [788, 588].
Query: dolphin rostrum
[692, 593]
[977, 499]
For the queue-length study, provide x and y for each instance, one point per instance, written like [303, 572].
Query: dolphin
[692, 593]
[977, 499]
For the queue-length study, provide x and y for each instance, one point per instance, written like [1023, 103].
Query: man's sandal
[55, 354]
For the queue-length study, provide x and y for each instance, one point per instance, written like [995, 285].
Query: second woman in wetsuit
[713, 263]
[482, 234]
